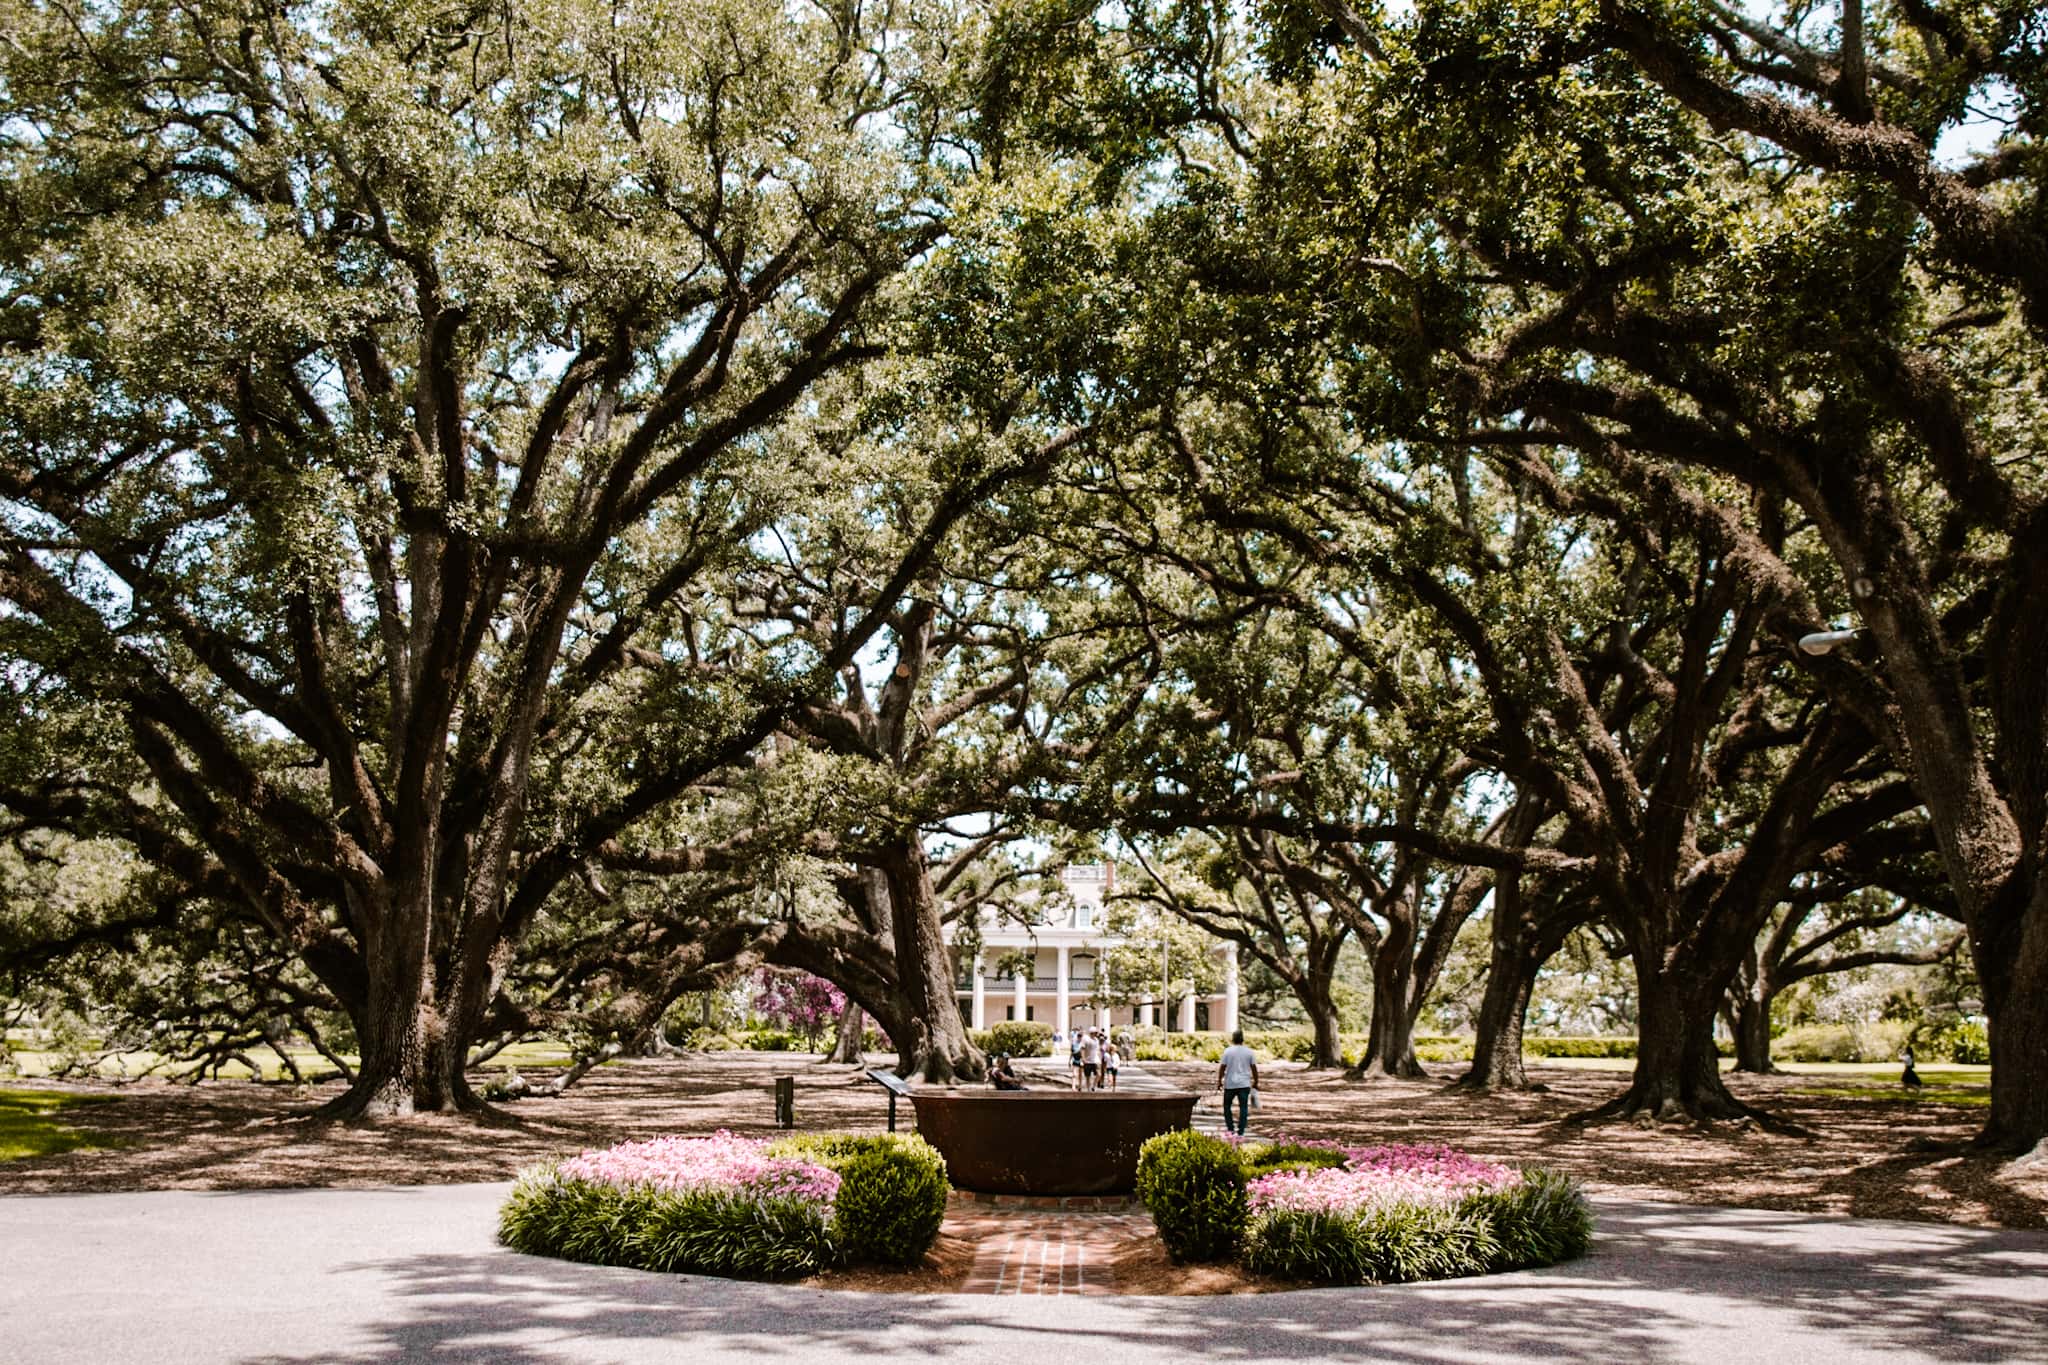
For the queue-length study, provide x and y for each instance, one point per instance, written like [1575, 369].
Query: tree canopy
[485, 498]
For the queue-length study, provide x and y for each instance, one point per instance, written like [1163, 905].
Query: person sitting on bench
[1001, 1077]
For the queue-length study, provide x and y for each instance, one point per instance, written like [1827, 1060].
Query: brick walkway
[1049, 1253]
[1065, 1251]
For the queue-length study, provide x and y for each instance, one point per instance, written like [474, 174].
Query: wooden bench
[897, 1087]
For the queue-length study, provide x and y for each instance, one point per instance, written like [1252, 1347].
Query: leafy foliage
[1539, 1220]
[1390, 1244]
[1015, 1038]
[891, 1200]
[1193, 1185]
[700, 1231]
[892, 1193]
[1953, 1040]
[1263, 1158]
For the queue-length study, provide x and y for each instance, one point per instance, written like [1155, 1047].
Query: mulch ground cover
[1865, 1157]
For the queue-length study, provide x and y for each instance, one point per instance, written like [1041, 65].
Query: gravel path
[412, 1273]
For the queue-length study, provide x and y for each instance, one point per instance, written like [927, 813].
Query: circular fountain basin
[1045, 1141]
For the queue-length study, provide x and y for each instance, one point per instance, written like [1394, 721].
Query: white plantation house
[1063, 954]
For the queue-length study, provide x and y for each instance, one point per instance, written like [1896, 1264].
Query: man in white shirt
[1237, 1075]
[1091, 1060]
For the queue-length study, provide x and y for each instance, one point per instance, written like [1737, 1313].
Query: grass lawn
[29, 1126]
[1946, 1083]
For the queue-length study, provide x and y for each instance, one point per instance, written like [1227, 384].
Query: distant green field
[29, 1126]
[1894, 1093]
[1945, 1084]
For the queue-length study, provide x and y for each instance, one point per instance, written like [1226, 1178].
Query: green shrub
[1441, 1049]
[748, 1040]
[1154, 1045]
[1541, 1221]
[664, 1230]
[1014, 1038]
[1264, 1158]
[1284, 1045]
[1578, 1047]
[1389, 1244]
[708, 1040]
[892, 1193]
[1866, 1042]
[1953, 1040]
[1193, 1186]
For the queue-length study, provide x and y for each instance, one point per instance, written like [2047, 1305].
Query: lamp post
[1165, 977]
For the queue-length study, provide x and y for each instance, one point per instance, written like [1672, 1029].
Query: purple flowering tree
[798, 1002]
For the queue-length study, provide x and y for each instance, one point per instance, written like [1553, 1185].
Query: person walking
[1110, 1058]
[1091, 1060]
[1237, 1075]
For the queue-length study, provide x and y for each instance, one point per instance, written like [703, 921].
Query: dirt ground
[1868, 1158]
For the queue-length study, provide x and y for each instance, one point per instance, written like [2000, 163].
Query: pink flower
[1373, 1177]
[721, 1163]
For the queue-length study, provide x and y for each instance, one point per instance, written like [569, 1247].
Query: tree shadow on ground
[1663, 1282]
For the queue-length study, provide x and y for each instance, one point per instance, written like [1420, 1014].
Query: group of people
[1092, 1056]
[1092, 1059]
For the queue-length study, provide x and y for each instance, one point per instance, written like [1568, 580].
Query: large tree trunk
[2018, 1121]
[1527, 929]
[846, 1048]
[1497, 1050]
[1328, 1034]
[1753, 1032]
[1390, 1041]
[1311, 986]
[411, 1059]
[1986, 794]
[936, 1047]
[1678, 1073]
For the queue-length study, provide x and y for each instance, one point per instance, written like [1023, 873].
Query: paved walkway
[412, 1274]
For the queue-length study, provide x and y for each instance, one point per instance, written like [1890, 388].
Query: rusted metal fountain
[1050, 1142]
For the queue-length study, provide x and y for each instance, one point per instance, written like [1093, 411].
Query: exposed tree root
[1702, 1111]
[1476, 1082]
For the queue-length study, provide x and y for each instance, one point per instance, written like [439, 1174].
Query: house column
[1230, 987]
[1145, 1015]
[980, 1018]
[1023, 1006]
[1187, 1013]
[1102, 1016]
[1066, 1002]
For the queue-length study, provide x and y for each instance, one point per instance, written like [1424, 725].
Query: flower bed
[729, 1205]
[1329, 1214]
